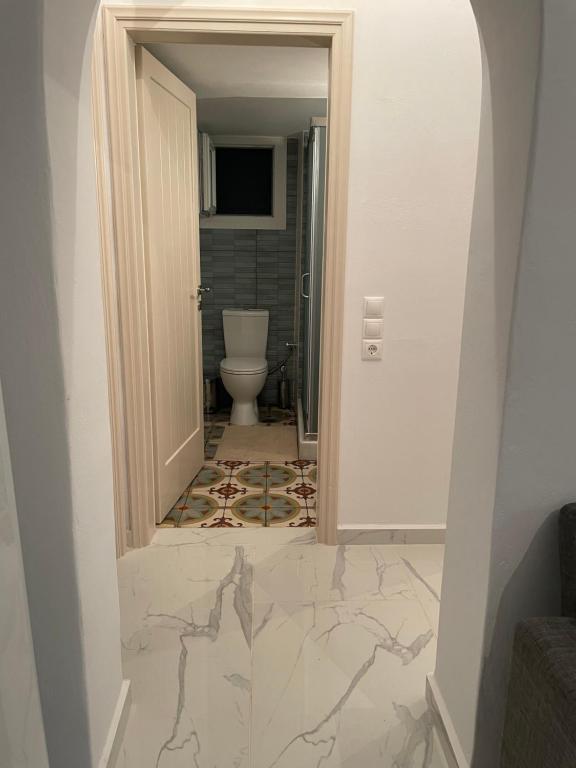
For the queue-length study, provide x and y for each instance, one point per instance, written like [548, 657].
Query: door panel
[313, 269]
[169, 163]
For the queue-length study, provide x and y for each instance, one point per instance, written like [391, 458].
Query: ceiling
[258, 116]
[233, 71]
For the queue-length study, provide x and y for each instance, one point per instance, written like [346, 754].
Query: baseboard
[117, 727]
[391, 534]
[444, 727]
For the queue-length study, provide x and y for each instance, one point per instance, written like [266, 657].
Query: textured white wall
[67, 83]
[536, 473]
[22, 743]
[53, 371]
[510, 31]
[415, 122]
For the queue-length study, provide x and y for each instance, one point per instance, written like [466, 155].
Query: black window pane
[244, 181]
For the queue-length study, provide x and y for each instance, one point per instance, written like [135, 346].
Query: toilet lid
[244, 365]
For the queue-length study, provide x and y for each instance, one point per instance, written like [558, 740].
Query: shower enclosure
[311, 278]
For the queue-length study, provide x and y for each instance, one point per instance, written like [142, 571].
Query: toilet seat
[244, 365]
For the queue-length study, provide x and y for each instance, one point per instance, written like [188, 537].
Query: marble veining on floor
[259, 648]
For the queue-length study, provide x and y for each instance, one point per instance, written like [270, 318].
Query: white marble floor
[258, 648]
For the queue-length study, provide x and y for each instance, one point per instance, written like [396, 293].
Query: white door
[169, 163]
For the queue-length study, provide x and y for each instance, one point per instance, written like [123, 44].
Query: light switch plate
[374, 307]
[371, 349]
[372, 329]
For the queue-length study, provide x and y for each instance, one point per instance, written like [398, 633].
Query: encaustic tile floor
[239, 494]
[263, 649]
[231, 493]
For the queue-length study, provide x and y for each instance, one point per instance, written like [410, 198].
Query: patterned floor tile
[266, 508]
[209, 475]
[253, 476]
[172, 518]
[235, 494]
[193, 507]
[281, 476]
[306, 519]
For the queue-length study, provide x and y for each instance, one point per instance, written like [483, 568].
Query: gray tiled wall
[247, 268]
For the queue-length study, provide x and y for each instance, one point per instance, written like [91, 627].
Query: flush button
[372, 329]
[373, 307]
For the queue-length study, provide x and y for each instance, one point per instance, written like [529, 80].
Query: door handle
[199, 292]
[304, 295]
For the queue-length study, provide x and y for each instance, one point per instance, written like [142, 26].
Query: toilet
[245, 368]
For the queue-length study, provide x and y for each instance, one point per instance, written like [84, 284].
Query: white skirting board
[117, 727]
[391, 534]
[453, 752]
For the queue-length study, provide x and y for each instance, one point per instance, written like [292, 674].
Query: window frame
[279, 176]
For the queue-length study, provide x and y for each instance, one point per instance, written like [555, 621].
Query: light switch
[373, 307]
[372, 329]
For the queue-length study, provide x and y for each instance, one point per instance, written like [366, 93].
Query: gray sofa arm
[568, 559]
[540, 728]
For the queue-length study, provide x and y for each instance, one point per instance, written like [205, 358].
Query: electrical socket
[371, 349]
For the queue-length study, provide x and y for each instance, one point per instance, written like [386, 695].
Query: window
[244, 181]
[250, 183]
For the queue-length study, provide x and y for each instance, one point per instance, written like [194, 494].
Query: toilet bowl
[244, 369]
[244, 379]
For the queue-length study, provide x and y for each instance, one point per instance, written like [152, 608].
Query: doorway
[123, 217]
[259, 113]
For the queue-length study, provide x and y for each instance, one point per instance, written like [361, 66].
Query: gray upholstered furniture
[540, 728]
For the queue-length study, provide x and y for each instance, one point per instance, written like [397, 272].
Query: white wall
[536, 472]
[67, 82]
[51, 334]
[415, 120]
[476, 540]
[22, 743]
[54, 373]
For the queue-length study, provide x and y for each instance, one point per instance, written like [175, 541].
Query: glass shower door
[312, 275]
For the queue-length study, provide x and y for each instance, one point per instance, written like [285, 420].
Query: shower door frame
[315, 266]
[119, 30]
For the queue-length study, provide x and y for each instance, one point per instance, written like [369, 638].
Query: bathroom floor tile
[281, 476]
[306, 519]
[272, 415]
[196, 505]
[272, 442]
[266, 508]
[252, 476]
[172, 519]
[236, 493]
[210, 450]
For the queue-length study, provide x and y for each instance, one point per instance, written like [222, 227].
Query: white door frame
[124, 279]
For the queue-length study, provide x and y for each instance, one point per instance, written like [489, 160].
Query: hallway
[259, 648]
